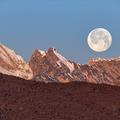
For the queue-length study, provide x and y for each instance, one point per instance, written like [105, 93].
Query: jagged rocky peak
[58, 60]
[51, 66]
[37, 62]
[39, 53]
[101, 70]
[13, 64]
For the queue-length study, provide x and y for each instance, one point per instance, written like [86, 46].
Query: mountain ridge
[51, 66]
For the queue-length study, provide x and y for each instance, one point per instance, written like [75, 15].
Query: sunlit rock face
[13, 64]
[51, 66]
[105, 71]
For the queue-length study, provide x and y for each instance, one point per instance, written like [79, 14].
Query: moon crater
[99, 40]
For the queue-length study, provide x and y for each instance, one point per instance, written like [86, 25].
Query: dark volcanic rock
[30, 100]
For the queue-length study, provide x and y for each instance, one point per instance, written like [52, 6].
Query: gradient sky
[64, 24]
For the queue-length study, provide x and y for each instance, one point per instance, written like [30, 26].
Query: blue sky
[64, 24]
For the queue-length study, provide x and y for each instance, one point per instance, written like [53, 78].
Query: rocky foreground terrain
[30, 100]
[51, 66]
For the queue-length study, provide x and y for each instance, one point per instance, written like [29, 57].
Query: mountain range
[51, 66]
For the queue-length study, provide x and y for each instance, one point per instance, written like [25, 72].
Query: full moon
[99, 40]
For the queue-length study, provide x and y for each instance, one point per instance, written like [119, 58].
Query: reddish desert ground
[30, 100]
